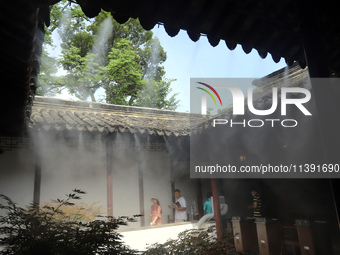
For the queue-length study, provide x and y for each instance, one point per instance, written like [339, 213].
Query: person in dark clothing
[257, 203]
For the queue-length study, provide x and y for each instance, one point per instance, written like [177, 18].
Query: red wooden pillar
[37, 172]
[109, 176]
[217, 213]
[172, 182]
[199, 198]
[141, 186]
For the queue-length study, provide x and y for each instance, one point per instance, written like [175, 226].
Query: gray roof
[59, 114]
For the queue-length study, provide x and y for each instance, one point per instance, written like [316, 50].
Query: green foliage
[48, 83]
[229, 107]
[48, 230]
[82, 211]
[194, 241]
[123, 74]
[209, 110]
[153, 94]
[124, 60]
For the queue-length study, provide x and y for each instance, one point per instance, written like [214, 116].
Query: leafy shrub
[194, 241]
[85, 212]
[48, 230]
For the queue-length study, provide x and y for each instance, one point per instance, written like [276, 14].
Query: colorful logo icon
[209, 93]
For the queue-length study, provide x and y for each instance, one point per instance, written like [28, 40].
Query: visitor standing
[180, 207]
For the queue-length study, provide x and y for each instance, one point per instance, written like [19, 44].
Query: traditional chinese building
[287, 197]
[306, 33]
[120, 155]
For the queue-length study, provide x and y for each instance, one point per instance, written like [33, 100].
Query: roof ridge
[62, 114]
[102, 106]
[287, 72]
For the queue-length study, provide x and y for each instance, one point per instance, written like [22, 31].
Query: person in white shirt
[180, 207]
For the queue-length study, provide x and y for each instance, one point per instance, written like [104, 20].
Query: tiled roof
[268, 26]
[292, 76]
[58, 114]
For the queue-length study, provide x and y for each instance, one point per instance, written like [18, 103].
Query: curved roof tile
[269, 26]
[58, 114]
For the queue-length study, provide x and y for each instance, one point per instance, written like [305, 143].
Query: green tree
[123, 60]
[49, 83]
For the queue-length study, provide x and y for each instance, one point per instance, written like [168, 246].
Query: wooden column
[325, 96]
[199, 198]
[172, 181]
[217, 214]
[109, 175]
[141, 186]
[37, 172]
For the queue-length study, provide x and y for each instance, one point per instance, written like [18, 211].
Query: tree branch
[54, 22]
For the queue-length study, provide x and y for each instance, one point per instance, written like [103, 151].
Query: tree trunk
[93, 99]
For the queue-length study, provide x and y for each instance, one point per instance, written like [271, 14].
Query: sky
[187, 59]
